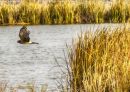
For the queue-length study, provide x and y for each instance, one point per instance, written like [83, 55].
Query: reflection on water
[35, 63]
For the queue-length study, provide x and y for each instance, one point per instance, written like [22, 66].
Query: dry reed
[100, 62]
[67, 12]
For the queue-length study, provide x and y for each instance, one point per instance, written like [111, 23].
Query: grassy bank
[100, 62]
[64, 12]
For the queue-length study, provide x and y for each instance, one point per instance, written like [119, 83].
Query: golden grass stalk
[100, 62]
[67, 12]
[118, 13]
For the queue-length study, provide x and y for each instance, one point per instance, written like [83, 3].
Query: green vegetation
[100, 61]
[66, 12]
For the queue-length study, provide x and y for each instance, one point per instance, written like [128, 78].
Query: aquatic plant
[118, 13]
[100, 61]
[91, 12]
[4, 14]
[67, 12]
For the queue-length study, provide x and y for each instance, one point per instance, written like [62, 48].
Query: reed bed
[118, 13]
[67, 12]
[100, 61]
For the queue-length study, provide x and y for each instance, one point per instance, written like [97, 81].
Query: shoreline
[64, 13]
[21, 24]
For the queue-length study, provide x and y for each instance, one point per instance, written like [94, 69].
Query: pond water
[35, 63]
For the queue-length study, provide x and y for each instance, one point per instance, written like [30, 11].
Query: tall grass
[91, 12]
[100, 62]
[67, 12]
[118, 13]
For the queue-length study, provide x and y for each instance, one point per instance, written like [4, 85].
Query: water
[35, 63]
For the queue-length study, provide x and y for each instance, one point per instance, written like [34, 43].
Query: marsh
[36, 62]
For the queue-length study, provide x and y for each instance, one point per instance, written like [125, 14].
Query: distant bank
[64, 13]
